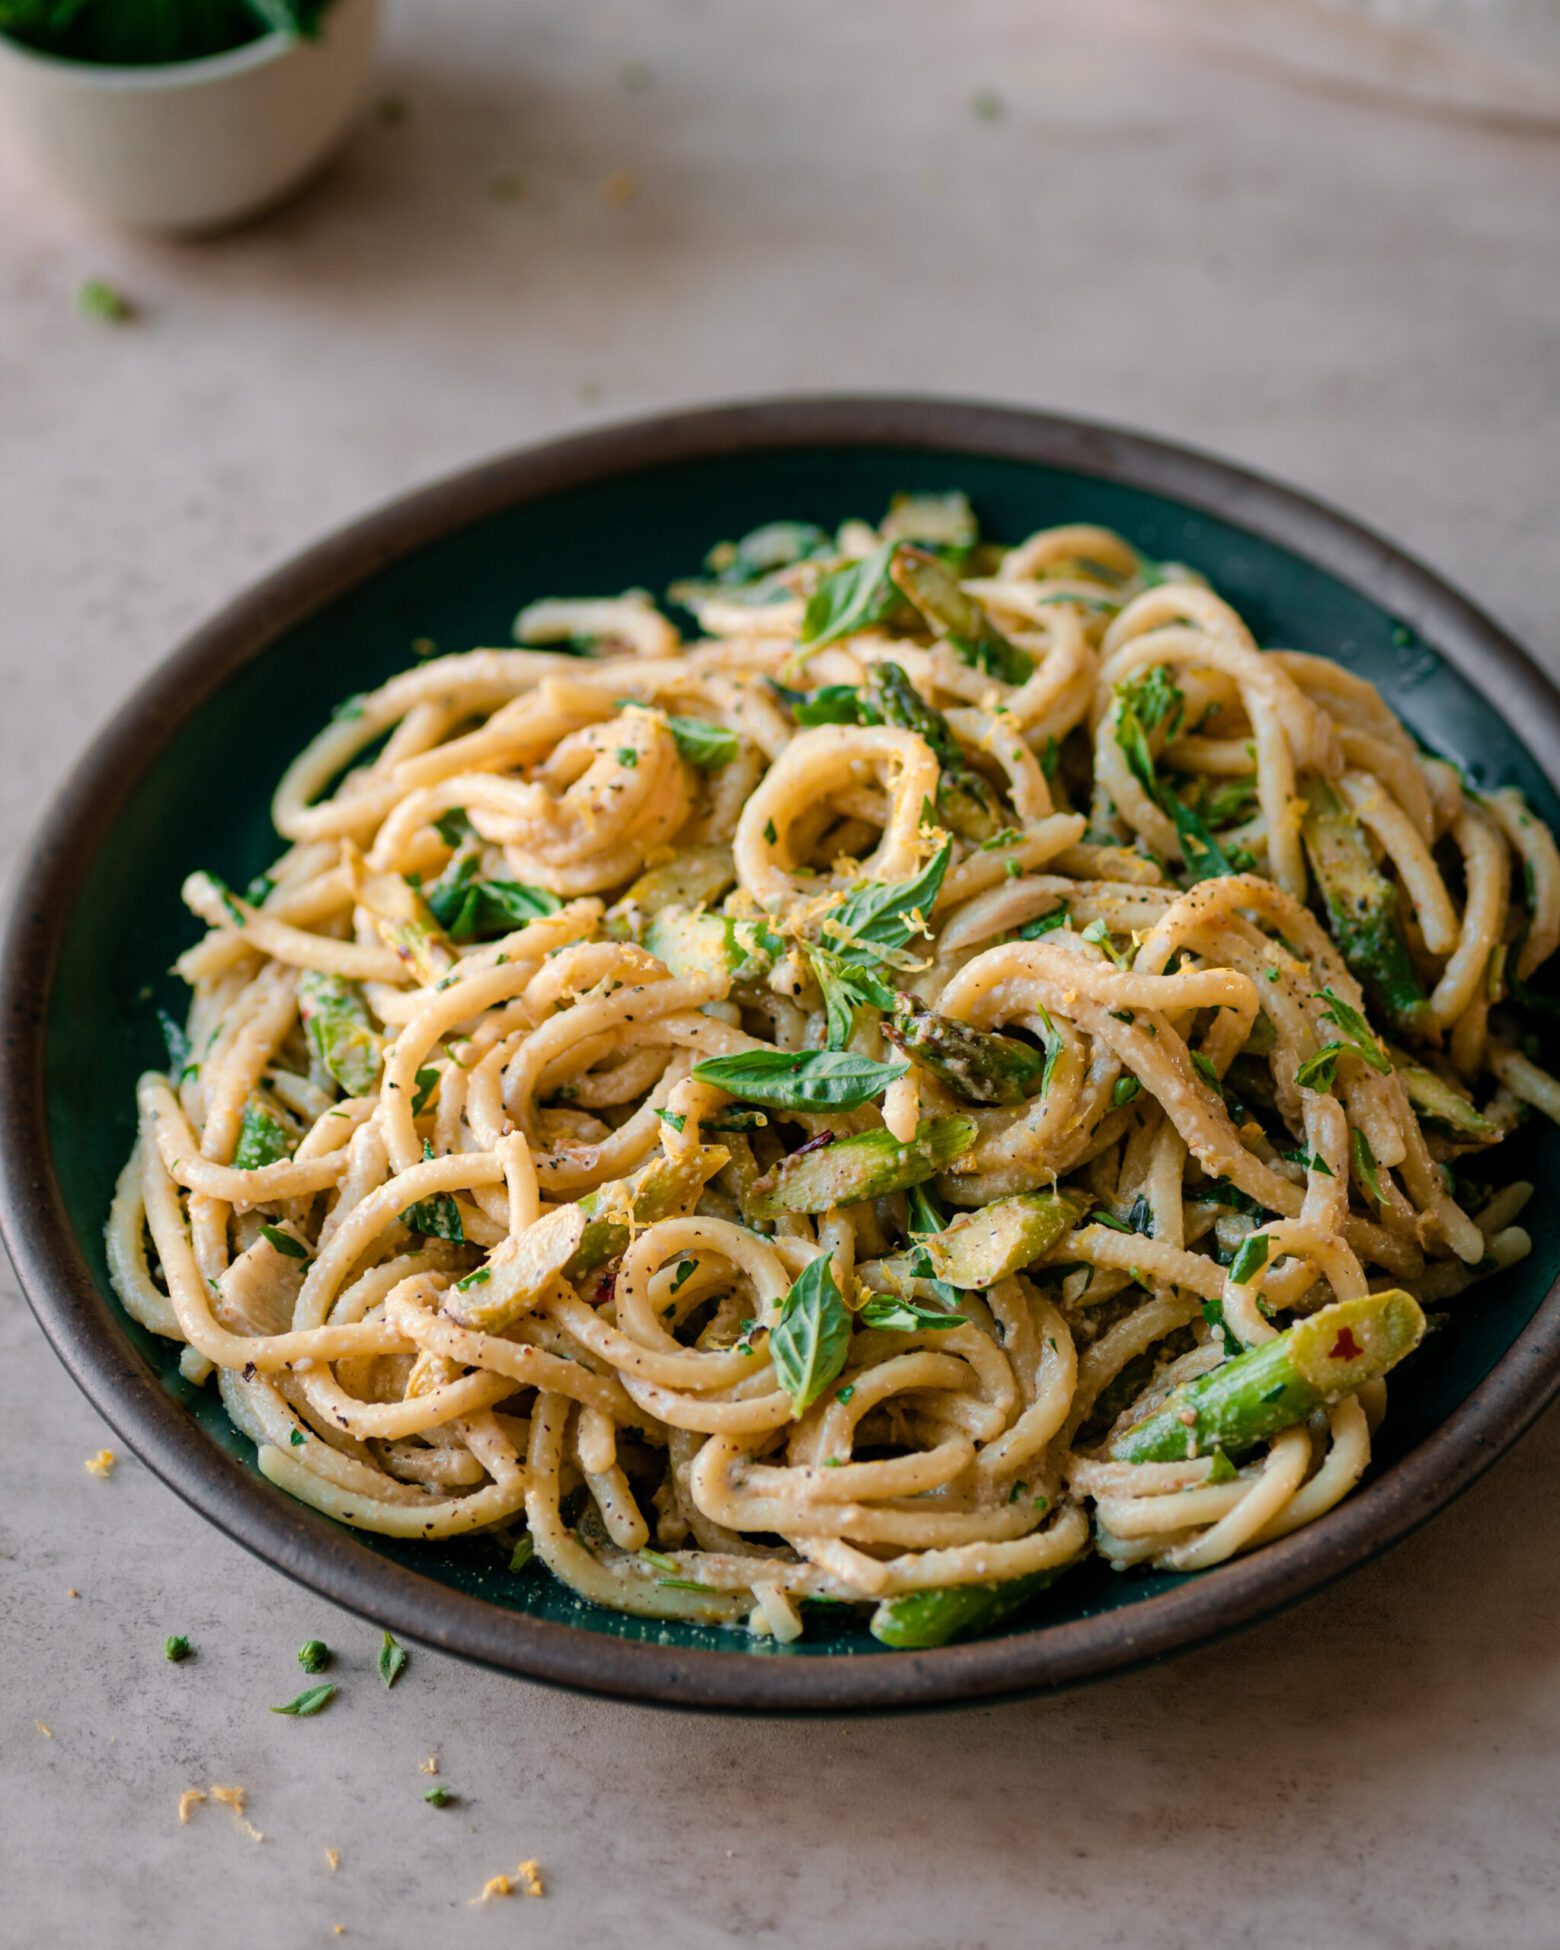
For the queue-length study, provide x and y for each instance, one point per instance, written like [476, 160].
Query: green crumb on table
[438, 1797]
[177, 1647]
[104, 302]
[986, 105]
[309, 1702]
[314, 1655]
[392, 1660]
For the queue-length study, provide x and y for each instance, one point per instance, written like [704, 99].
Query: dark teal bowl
[183, 776]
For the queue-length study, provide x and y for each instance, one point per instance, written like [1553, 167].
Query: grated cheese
[189, 1800]
[333, 1859]
[102, 1464]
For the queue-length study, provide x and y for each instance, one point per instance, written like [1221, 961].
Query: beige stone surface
[1364, 302]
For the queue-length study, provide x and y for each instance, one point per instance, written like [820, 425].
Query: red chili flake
[1346, 1347]
[813, 1144]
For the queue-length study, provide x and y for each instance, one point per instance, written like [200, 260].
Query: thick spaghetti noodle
[966, 1059]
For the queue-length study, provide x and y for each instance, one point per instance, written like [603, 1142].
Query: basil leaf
[308, 1702]
[887, 1311]
[810, 1340]
[437, 1217]
[923, 1215]
[392, 1660]
[1365, 1164]
[707, 746]
[1356, 1030]
[877, 916]
[1201, 855]
[453, 827]
[1318, 1072]
[469, 909]
[1250, 1259]
[844, 989]
[800, 1079]
[833, 704]
[1143, 703]
[426, 1081]
[1213, 1313]
[853, 598]
[284, 1242]
[1058, 917]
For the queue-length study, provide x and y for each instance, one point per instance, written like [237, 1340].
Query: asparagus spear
[1318, 1360]
[1362, 908]
[1442, 1103]
[954, 1611]
[340, 1031]
[933, 588]
[658, 1190]
[868, 1166]
[976, 1064]
[967, 802]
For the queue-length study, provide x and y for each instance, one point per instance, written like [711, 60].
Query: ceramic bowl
[182, 778]
[192, 145]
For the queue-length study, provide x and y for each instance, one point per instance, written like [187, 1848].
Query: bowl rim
[306, 1546]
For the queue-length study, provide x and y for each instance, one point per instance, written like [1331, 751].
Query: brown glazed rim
[93, 1346]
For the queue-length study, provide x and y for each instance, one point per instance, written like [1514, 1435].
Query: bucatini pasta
[964, 1061]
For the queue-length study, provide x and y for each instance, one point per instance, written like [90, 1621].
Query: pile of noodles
[630, 1425]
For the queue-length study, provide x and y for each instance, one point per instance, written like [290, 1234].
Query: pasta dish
[958, 1061]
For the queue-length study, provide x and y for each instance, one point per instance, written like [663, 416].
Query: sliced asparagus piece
[1319, 1360]
[1362, 908]
[704, 944]
[658, 1190]
[967, 802]
[696, 878]
[870, 1165]
[406, 924]
[976, 1064]
[933, 520]
[340, 1030]
[980, 1248]
[263, 1138]
[927, 582]
[1441, 1103]
[953, 1611]
[517, 1271]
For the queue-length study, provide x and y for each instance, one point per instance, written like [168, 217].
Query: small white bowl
[192, 145]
